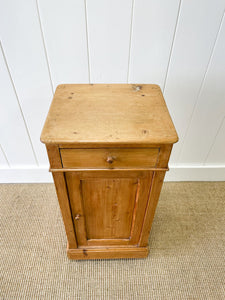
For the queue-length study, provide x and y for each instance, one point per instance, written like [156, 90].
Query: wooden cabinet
[108, 209]
[108, 147]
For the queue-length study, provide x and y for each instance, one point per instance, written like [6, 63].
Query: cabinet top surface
[108, 114]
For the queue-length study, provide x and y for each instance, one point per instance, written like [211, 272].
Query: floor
[186, 260]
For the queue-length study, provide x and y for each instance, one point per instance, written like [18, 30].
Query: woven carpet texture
[186, 260]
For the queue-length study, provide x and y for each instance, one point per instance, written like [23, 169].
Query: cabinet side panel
[151, 207]
[140, 207]
[61, 190]
[54, 156]
[164, 155]
[78, 214]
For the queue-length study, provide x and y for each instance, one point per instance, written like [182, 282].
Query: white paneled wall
[108, 31]
[208, 113]
[3, 160]
[15, 139]
[25, 56]
[153, 29]
[178, 44]
[216, 151]
[63, 24]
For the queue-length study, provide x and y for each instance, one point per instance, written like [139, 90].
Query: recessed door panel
[108, 206]
[108, 211]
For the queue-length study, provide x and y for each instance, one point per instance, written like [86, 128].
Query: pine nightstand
[108, 147]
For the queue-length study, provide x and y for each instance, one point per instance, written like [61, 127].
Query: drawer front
[109, 158]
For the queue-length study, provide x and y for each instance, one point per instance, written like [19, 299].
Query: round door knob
[77, 217]
[110, 159]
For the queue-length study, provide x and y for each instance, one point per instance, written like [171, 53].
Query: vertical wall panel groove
[193, 46]
[44, 46]
[109, 35]
[131, 33]
[177, 44]
[65, 35]
[172, 45]
[210, 108]
[3, 158]
[18, 102]
[216, 154]
[88, 54]
[153, 30]
[22, 40]
[14, 135]
[199, 105]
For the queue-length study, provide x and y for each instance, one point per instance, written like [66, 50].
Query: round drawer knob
[110, 159]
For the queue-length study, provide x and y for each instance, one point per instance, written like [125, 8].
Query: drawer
[109, 158]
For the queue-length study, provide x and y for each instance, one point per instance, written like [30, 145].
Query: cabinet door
[108, 207]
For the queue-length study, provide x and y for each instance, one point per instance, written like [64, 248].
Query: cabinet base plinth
[107, 253]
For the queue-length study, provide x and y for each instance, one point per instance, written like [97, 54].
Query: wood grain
[151, 207]
[107, 253]
[116, 114]
[61, 190]
[108, 207]
[109, 158]
[108, 195]
[108, 211]
[106, 144]
[54, 156]
[140, 169]
[139, 211]
[163, 157]
[64, 204]
[77, 210]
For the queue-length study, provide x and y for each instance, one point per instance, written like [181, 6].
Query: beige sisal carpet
[186, 261]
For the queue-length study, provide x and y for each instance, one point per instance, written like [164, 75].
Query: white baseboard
[26, 174]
